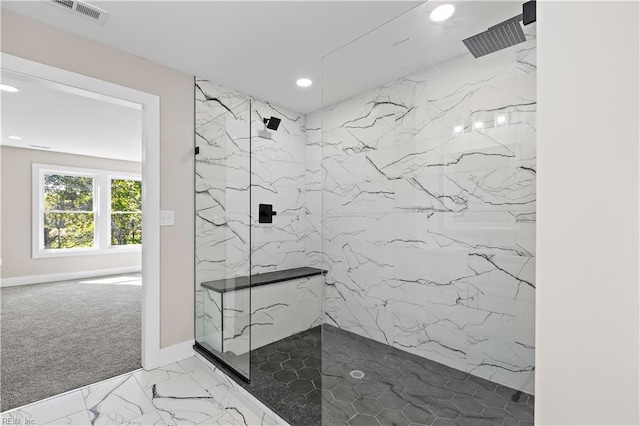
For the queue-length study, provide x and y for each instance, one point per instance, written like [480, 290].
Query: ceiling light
[501, 119]
[15, 138]
[457, 129]
[304, 82]
[442, 13]
[7, 88]
[478, 124]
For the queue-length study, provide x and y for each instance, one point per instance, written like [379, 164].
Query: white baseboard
[171, 354]
[66, 276]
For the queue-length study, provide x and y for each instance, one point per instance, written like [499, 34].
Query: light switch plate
[167, 217]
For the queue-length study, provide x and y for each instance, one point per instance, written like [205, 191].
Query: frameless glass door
[222, 228]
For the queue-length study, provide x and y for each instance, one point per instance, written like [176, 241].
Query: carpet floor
[59, 336]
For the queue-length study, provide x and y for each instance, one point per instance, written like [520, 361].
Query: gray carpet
[60, 336]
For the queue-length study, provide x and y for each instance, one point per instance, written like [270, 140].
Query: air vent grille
[66, 3]
[82, 9]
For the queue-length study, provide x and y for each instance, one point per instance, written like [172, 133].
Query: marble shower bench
[282, 303]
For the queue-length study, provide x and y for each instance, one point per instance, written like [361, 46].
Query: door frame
[149, 105]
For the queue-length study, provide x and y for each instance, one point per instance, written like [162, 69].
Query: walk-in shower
[395, 284]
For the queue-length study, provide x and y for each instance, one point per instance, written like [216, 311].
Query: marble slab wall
[240, 165]
[421, 204]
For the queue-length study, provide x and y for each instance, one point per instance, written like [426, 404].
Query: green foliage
[126, 208]
[68, 219]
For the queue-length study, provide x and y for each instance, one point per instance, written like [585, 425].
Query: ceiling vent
[82, 9]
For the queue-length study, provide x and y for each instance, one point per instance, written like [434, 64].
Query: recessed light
[304, 82]
[457, 129]
[14, 137]
[501, 119]
[478, 124]
[442, 13]
[7, 88]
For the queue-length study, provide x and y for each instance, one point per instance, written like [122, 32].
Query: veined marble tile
[118, 401]
[64, 407]
[81, 418]
[147, 378]
[510, 364]
[368, 322]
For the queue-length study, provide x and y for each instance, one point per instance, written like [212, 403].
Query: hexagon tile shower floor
[306, 378]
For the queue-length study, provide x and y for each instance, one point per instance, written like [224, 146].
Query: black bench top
[239, 283]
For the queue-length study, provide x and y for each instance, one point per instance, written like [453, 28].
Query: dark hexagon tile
[332, 371]
[367, 406]
[444, 409]
[369, 389]
[467, 404]
[285, 376]
[257, 358]
[499, 417]
[270, 367]
[292, 364]
[285, 347]
[340, 410]
[315, 397]
[298, 354]
[391, 373]
[489, 399]
[392, 401]
[509, 394]
[460, 388]
[413, 381]
[345, 393]
[421, 415]
[438, 392]
[392, 417]
[473, 420]
[313, 362]
[436, 379]
[520, 411]
[329, 382]
[364, 420]
[392, 386]
[416, 397]
[481, 384]
[441, 421]
[308, 373]
[301, 386]
[266, 350]
[278, 357]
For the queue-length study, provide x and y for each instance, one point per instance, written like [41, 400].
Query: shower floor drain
[356, 374]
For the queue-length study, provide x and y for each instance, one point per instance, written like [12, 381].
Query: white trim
[175, 353]
[150, 104]
[66, 276]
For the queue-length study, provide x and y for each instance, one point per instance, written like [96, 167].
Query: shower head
[272, 123]
[506, 34]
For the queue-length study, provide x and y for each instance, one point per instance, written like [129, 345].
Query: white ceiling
[257, 47]
[373, 60]
[53, 119]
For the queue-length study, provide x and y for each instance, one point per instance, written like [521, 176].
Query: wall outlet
[167, 217]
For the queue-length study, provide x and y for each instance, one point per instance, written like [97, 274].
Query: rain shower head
[272, 123]
[506, 34]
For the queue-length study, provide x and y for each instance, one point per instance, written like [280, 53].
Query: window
[126, 212]
[84, 211]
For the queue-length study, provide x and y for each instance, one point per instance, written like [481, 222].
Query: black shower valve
[265, 213]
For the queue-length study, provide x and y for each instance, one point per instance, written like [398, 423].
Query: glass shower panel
[222, 251]
[428, 220]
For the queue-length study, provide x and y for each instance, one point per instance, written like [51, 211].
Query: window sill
[86, 252]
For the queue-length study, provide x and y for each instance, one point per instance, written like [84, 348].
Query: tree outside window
[126, 212]
[69, 219]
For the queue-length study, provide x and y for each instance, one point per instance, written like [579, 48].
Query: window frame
[101, 211]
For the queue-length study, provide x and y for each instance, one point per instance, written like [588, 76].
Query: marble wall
[421, 204]
[237, 153]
